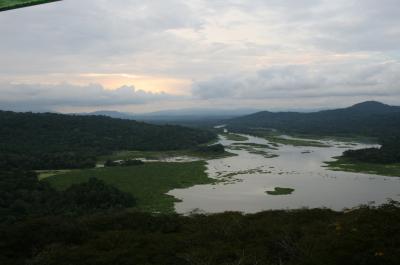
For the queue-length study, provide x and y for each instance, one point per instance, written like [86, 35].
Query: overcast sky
[138, 56]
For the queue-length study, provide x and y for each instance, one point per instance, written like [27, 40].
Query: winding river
[246, 178]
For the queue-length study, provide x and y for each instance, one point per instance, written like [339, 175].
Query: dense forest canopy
[49, 141]
[365, 236]
[22, 195]
[388, 153]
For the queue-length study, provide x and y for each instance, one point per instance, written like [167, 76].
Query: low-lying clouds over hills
[201, 53]
[50, 97]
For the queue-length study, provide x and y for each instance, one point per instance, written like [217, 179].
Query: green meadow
[148, 183]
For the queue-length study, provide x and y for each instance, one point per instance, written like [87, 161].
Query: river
[249, 175]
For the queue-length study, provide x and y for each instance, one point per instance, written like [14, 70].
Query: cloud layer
[227, 49]
[303, 81]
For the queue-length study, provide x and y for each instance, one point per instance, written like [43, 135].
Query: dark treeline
[37, 160]
[22, 195]
[366, 236]
[55, 141]
[123, 163]
[372, 119]
[387, 154]
[216, 149]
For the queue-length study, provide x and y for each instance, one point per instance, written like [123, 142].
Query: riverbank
[278, 138]
[344, 164]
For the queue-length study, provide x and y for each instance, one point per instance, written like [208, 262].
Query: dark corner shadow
[6, 5]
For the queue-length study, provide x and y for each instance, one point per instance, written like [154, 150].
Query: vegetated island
[280, 191]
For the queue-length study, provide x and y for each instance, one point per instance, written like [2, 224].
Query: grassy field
[281, 191]
[235, 137]
[344, 164]
[13, 4]
[148, 182]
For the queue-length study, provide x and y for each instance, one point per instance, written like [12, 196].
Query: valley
[75, 185]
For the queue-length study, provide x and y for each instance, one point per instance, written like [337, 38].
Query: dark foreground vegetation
[13, 4]
[367, 236]
[55, 141]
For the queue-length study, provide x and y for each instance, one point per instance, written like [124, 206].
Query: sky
[141, 56]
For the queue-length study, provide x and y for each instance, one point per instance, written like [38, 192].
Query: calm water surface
[248, 176]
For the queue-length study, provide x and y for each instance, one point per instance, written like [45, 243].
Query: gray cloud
[50, 97]
[301, 81]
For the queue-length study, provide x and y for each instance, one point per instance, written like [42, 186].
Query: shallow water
[248, 176]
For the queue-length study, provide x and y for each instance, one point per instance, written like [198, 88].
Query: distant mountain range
[178, 115]
[368, 118]
[109, 113]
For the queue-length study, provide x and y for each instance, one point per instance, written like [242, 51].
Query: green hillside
[56, 141]
[367, 118]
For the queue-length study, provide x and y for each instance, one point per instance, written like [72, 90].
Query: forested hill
[37, 139]
[368, 118]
